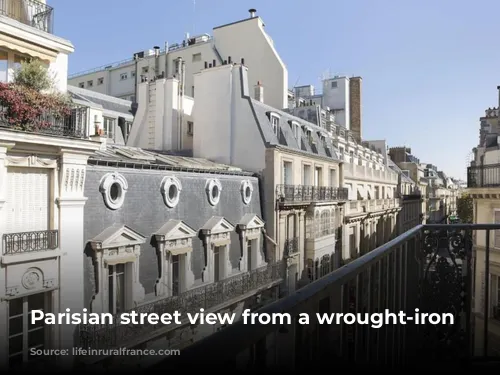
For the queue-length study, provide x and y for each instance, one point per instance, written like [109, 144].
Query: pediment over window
[118, 235]
[250, 221]
[174, 230]
[217, 224]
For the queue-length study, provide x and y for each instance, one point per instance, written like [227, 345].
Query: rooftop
[102, 101]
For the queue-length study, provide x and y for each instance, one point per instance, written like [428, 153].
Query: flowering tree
[24, 105]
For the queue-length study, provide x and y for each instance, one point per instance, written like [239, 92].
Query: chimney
[355, 107]
[252, 12]
[259, 92]
[229, 60]
[157, 60]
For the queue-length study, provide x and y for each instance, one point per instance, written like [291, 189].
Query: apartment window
[176, 270]
[275, 121]
[318, 176]
[287, 173]
[334, 84]
[351, 156]
[18, 60]
[190, 129]
[192, 91]
[24, 336]
[81, 85]
[145, 69]
[4, 66]
[132, 73]
[218, 263]
[116, 288]
[333, 177]
[123, 76]
[109, 127]
[196, 57]
[377, 192]
[249, 255]
[306, 175]
[90, 83]
[100, 80]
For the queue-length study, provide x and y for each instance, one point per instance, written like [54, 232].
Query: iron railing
[303, 193]
[30, 12]
[291, 246]
[206, 297]
[429, 268]
[27, 242]
[482, 176]
[73, 126]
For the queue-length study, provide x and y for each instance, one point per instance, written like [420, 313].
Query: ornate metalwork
[444, 288]
[303, 193]
[291, 246]
[206, 297]
[73, 126]
[27, 242]
[30, 12]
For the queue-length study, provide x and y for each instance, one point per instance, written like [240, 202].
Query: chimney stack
[355, 107]
[229, 60]
[252, 12]
[259, 92]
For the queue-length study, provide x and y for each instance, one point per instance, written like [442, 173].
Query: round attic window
[213, 189]
[113, 188]
[246, 191]
[171, 189]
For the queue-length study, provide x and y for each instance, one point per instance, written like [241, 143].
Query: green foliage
[34, 75]
[465, 209]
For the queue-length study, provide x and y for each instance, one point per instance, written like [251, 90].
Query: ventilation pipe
[252, 12]
[157, 61]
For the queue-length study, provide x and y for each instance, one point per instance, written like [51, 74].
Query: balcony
[371, 205]
[291, 194]
[292, 246]
[29, 242]
[430, 268]
[363, 172]
[208, 297]
[71, 125]
[29, 12]
[483, 176]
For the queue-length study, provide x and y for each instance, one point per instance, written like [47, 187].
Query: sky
[429, 68]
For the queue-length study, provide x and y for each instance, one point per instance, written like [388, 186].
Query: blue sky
[429, 68]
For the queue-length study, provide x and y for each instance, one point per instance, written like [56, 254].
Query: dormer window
[275, 122]
[294, 125]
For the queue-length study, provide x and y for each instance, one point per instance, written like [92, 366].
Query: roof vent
[252, 12]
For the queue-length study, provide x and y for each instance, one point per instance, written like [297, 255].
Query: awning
[27, 48]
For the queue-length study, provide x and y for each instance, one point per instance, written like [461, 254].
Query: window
[217, 263]
[190, 128]
[333, 178]
[23, 335]
[18, 59]
[109, 127]
[116, 290]
[249, 255]
[132, 73]
[334, 84]
[81, 85]
[123, 76]
[100, 80]
[306, 175]
[4, 65]
[90, 83]
[287, 173]
[275, 121]
[318, 176]
[145, 69]
[176, 268]
[192, 91]
[197, 57]
[377, 192]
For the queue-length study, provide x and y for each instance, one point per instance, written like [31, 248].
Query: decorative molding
[171, 188]
[246, 191]
[12, 291]
[105, 186]
[32, 161]
[213, 189]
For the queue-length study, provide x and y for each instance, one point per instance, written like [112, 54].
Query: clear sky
[430, 68]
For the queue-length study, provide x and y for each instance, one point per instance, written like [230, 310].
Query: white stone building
[244, 39]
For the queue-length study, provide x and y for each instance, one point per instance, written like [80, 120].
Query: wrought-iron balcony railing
[483, 176]
[291, 246]
[429, 269]
[304, 193]
[28, 242]
[73, 126]
[206, 297]
[30, 12]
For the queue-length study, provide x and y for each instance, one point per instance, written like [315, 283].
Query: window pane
[36, 302]
[175, 275]
[15, 307]
[36, 337]
[120, 293]
[4, 57]
[111, 308]
[15, 325]
[16, 360]
[16, 344]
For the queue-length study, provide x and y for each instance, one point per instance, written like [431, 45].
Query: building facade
[244, 39]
